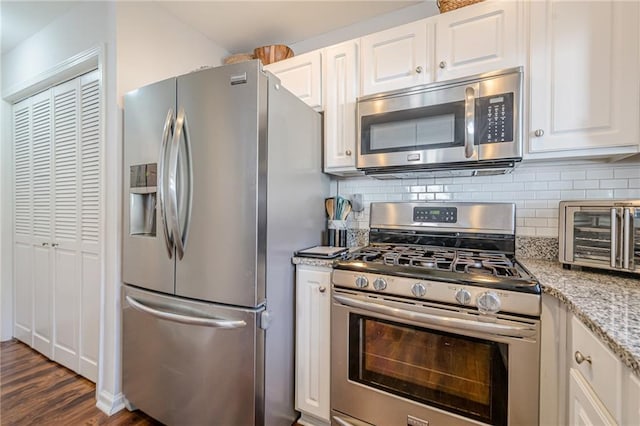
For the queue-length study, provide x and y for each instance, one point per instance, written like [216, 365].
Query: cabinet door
[302, 75]
[397, 58]
[631, 398]
[313, 292]
[584, 406]
[340, 94]
[479, 38]
[584, 78]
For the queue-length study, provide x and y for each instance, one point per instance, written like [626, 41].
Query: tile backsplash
[536, 190]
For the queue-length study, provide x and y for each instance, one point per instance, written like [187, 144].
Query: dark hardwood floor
[35, 390]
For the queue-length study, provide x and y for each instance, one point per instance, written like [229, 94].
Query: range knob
[488, 302]
[379, 284]
[361, 281]
[463, 296]
[418, 290]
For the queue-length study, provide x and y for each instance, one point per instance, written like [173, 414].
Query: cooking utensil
[329, 206]
[346, 211]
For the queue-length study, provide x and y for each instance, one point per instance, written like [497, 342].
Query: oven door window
[431, 127]
[459, 374]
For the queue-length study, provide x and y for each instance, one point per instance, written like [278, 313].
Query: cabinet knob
[581, 358]
[45, 244]
[442, 64]
[418, 69]
[322, 289]
[539, 133]
[55, 245]
[348, 153]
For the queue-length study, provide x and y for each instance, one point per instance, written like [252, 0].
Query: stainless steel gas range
[435, 322]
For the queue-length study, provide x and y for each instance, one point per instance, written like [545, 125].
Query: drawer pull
[581, 358]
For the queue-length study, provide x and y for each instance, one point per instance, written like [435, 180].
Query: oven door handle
[443, 321]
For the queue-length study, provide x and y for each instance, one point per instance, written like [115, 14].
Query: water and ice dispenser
[142, 199]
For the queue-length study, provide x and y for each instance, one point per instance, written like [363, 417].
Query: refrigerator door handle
[185, 319]
[180, 231]
[169, 124]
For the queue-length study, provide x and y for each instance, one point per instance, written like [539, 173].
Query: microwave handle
[627, 241]
[469, 121]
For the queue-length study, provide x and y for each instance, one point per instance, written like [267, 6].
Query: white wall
[153, 45]
[535, 188]
[6, 223]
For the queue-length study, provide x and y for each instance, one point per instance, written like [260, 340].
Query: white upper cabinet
[340, 94]
[584, 78]
[302, 75]
[478, 38]
[397, 58]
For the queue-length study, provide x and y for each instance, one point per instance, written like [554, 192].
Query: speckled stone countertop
[608, 304]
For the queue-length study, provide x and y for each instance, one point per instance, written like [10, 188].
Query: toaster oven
[600, 234]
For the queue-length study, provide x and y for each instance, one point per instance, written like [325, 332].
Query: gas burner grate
[438, 258]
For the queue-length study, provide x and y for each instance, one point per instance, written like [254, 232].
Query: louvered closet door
[22, 252]
[41, 212]
[66, 244]
[57, 231]
[76, 223]
[90, 233]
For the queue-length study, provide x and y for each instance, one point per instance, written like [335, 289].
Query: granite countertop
[607, 303]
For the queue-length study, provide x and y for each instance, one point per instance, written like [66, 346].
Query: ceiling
[237, 26]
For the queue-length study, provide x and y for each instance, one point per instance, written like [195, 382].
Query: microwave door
[417, 129]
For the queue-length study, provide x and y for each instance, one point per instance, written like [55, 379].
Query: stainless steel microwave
[600, 234]
[467, 123]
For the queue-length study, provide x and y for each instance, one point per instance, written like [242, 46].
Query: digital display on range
[435, 215]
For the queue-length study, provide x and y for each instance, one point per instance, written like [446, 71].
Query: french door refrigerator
[222, 183]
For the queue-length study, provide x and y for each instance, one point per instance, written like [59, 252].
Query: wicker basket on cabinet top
[448, 5]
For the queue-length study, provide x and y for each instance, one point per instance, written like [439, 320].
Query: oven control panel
[435, 214]
[486, 300]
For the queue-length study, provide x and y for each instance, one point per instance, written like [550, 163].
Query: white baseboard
[109, 403]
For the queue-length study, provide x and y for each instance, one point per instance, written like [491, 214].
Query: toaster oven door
[602, 237]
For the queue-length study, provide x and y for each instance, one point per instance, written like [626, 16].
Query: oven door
[417, 128]
[399, 363]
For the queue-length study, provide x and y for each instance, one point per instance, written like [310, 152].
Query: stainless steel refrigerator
[222, 183]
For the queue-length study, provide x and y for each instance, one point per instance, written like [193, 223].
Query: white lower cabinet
[313, 368]
[584, 406]
[582, 382]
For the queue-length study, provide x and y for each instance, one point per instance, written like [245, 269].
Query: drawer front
[600, 367]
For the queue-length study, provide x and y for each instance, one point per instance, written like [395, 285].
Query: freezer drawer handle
[184, 319]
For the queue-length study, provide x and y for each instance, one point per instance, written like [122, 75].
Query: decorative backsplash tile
[536, 190]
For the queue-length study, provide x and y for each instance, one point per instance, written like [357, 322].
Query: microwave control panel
[494, 117]
[435, 214]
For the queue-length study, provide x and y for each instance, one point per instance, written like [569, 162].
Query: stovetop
[491, 270]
